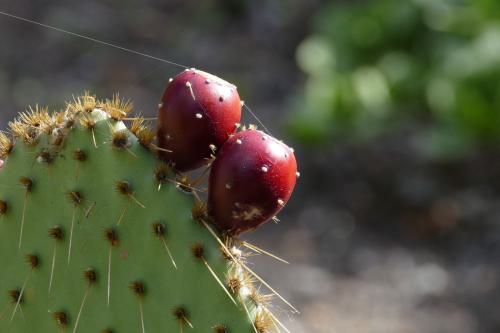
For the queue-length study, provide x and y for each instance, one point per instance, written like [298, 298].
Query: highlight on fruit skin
[251, 180]
[197, 114]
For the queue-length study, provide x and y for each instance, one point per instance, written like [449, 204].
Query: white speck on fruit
[212, 147]
[160, 105]
[207, 81]
[170, 80]
[281, 202]
[292, 150]
[246, 212]
[237, 125]
[297, 174]
[186, 70]
[188, 84]
[199, 116]
[229, 186]
[192, 68]
[242, 103]
[264, 137]
[239, 142]
[264, 168]
[251, 213]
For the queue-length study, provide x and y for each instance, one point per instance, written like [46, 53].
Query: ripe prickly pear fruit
[251, 180]
[197, 114]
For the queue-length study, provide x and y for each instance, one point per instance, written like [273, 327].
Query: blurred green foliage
[373, 66]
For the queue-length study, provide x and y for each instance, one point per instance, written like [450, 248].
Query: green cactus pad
[84, 201]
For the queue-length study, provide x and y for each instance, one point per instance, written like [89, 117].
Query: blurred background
[393, 108]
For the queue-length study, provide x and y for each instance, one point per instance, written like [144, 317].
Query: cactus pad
[98, 235]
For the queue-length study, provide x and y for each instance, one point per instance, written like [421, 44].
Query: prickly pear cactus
[98, 235]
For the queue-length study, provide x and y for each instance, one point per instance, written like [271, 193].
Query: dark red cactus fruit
[197, 114]
[251, 180]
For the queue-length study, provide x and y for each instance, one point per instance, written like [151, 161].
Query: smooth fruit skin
[198, 112]
[251, 180]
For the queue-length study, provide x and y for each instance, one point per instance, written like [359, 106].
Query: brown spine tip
[199, 211]
[27, 133]
[90, 276]
[120, 139]
[69, 123]
[263, 322]
[234, 285]
[112, 236]
[88, 123]
[79, 155]
[45, 156]
[57, 233]
[27, 183]
[36, 117]
[33, 260]
[143, 133]
[75, 197]
[61, 318]
[259, 299]
[161, 173]
[58, 140]
[6, 145]
[198, 250]
[86, 103]
[117, 108]
[180, 313]
[4, 207]
[138, 288]
[107, 330]
[220, 329]
[123, 187]
[15, 296]
[183, 183]
[159, 229]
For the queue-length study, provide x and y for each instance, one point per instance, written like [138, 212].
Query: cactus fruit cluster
[100, 232]
[254, 174]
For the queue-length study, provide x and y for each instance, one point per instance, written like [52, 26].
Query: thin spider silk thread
[122, 48]
[92, 39]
